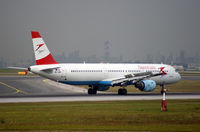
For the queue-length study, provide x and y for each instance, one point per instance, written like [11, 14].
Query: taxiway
[15, 89]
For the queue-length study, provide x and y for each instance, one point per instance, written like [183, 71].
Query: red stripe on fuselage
[47, 60]
[35, 34]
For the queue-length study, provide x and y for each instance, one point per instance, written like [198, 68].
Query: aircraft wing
[133, 78]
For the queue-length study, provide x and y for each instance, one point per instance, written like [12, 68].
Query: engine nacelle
[146, 85]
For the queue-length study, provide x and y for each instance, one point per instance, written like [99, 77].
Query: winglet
[42, 53]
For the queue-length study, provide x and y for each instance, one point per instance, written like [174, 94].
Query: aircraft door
[105, 72]
[63, 73]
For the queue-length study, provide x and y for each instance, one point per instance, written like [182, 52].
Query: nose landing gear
[164, 101]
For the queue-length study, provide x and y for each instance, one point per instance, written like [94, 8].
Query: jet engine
[146, 85]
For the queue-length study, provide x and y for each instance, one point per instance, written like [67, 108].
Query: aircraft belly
[86, 79]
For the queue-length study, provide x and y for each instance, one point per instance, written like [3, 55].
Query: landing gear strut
[164, 101]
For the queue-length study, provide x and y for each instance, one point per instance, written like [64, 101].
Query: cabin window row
[152, 71]
[156, 71]
[86, 70]
[123, 71]
[114, 71]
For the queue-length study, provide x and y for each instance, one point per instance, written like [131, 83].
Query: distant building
[178, 67]
[193, 67]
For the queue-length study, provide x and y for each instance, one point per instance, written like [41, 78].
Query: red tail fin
[42, 54]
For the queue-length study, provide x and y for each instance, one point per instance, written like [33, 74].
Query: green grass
[12, 72]
[9, 72]
[185, 73]
[185, 86]
[182, 115]
[6, 70]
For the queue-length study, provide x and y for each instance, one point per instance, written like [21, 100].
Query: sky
[134, 28]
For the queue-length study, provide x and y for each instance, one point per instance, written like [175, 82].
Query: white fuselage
[102, 74]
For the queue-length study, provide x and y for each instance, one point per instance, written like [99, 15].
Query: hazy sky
[134, 28]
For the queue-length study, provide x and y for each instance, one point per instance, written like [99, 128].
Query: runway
[102, 97]
[15, 89]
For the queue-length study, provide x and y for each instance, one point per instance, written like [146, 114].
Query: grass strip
[182, 115]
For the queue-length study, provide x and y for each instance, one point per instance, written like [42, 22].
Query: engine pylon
[164, 101]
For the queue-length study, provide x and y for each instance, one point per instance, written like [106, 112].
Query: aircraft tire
[92, 91]
[89, 91]
[122, 91]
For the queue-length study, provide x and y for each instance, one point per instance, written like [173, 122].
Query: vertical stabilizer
[42, 53]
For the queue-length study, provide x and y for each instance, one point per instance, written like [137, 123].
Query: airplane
[100, 76]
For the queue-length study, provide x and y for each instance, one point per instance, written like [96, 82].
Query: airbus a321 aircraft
[100, 76]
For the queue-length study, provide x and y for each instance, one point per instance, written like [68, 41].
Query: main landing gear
[164, 101]
[92, 90]
[122, 91]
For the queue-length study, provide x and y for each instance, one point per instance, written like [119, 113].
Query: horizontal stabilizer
[18, 68]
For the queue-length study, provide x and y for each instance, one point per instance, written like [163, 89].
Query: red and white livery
[42, 54]
[98, 76]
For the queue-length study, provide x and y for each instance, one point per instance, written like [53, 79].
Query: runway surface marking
[93, 98]
[17, 90]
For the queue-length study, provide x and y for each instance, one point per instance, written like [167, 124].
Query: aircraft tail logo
[39, 45]
[42, 53]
